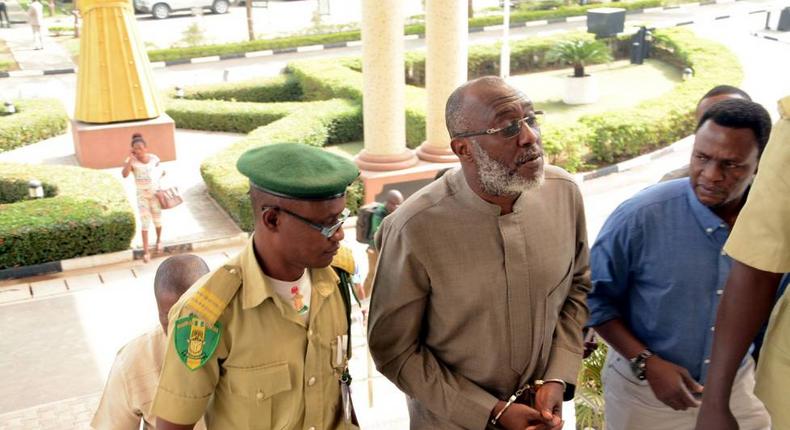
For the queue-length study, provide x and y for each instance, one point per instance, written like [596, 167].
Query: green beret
[297, 171]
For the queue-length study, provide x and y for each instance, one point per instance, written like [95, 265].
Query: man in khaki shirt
[261, 343]
[132, 381]
[760, 244]
[481, 285]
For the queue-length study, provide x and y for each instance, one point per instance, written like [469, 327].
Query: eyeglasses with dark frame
[326, 231]
[511, 130]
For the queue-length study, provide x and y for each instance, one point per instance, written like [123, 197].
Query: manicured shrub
[74, 219]
[34, 120]
[283, 88]
[214, 115]
[316, 124]
[655, 123]
[170, 54]
[326, 79]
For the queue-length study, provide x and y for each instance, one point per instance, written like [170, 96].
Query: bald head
[173, 277]
[717, 94]
[463, 99]
[394, 199]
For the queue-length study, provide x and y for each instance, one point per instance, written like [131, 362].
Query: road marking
[256, 54]
[200, 60]
[310, 48]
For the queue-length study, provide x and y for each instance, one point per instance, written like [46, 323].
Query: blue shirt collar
[709, 221]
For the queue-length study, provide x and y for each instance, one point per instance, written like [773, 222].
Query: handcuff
[535, 387]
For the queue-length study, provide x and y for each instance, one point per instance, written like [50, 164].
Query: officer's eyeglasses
[326, 230]
[511, 130]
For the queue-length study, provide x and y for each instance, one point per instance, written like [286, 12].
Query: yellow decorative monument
[116, 93]
[114, 81]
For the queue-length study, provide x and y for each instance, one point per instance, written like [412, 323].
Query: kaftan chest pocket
[258, 392]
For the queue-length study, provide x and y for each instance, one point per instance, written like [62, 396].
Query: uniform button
[713, 329]
[259, 396]
[311, 428]
[709, 230]
[707, 361]
[311, 381]
[719, 292]
[723, 253]
[310, 333]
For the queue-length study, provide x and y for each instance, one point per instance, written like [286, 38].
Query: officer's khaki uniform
[761, 239]
[131, 384]
[270, 370]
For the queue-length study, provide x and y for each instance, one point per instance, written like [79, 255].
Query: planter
[579, 91]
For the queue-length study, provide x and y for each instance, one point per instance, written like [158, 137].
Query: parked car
[161, 9]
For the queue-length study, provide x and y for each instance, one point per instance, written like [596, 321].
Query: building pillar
[446, 35]
[384, 88]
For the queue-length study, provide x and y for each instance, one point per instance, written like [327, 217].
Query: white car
[161, 9]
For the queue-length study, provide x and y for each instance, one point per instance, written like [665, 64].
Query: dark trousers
[4, 15]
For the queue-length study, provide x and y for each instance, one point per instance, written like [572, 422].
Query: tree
[471, 9]
[579, 52]
[250, 26]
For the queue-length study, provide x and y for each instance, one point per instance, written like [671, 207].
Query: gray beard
[495, 179]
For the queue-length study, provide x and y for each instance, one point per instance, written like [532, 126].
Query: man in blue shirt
[658, 273]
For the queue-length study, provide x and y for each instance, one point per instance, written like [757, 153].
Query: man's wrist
[557, 381]
[639, 364]
[499, 410]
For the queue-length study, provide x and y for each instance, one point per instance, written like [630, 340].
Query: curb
[627, 165]
[128, 255]
[771, 38]
[357, 43]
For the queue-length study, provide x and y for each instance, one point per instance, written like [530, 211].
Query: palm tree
[579, 52]
[589, 391]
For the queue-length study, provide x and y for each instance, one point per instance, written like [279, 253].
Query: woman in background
[147, 174]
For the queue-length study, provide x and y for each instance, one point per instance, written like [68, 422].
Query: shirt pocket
[255, 388]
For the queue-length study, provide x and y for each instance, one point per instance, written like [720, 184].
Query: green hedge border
[73, 219]
[34, 120]
[621, 134]
[315, 123]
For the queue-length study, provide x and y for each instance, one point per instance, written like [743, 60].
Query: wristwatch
[639, 364]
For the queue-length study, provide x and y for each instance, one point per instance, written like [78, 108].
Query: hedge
[620, 134]
[72, 220]
[516, 17]
[226, 116]
[326, 79]
[316, 124]
[34, 120]
[283, 88]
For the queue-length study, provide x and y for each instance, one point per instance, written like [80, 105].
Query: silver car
[161, 9]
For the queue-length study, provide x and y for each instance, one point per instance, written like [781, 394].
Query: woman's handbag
[169, 198]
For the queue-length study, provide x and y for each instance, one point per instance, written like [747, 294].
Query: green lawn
[621, 85]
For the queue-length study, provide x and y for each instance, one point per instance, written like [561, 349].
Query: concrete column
[446, 35]
[384, 87]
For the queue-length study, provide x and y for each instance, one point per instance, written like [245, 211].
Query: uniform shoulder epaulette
[209, 300]
[344, 260]
[784, 107]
